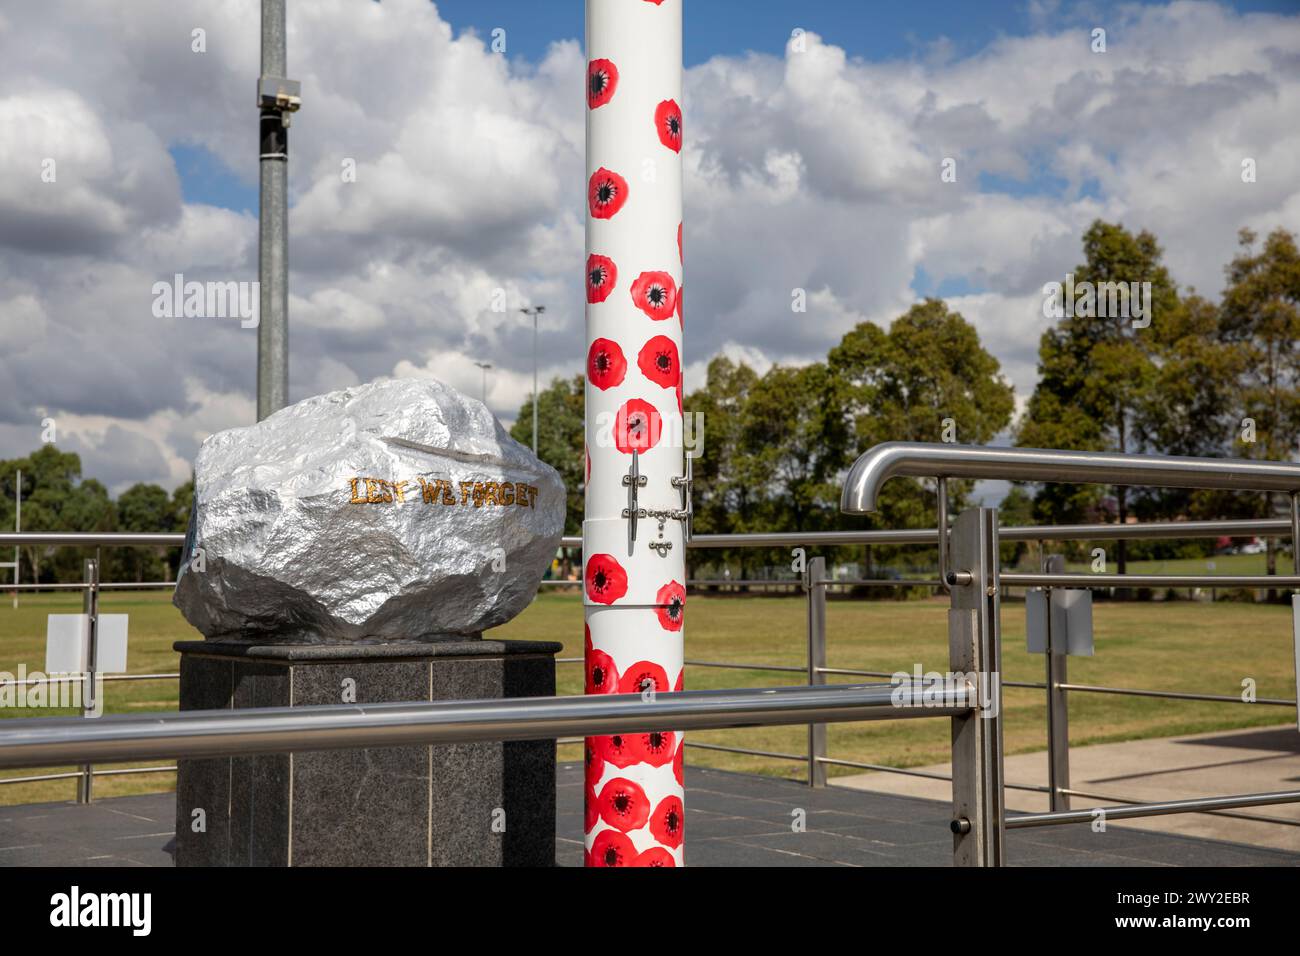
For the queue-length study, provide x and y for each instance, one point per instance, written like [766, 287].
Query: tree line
[58, 498]
[1201, 378]
[1195, 378]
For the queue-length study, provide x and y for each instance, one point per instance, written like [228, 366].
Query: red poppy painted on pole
[633, 532]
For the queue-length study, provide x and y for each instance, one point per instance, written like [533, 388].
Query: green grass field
[1183, 646]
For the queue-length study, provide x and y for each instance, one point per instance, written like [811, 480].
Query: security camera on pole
[635, 532]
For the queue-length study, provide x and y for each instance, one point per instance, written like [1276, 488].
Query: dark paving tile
[1020, 856]
[899, 834]
[1082, 837]
[713, 824]
[732, 820]
[823, 847]
[726, 852]
[569, 852]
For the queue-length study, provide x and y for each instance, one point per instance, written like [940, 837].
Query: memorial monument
[352, 548]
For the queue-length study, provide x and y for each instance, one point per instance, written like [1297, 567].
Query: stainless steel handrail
[1072, 580]
[47, 742]
[938, 460]
[94, 539]
[1230, 527]
[1162, 808]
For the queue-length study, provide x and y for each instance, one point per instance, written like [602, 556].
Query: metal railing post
[973, 648]
[90, 606]
[816, 574]
[1295, 598]
[1058, 714]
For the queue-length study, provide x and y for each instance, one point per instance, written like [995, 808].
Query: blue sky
[869, 29]
[829, 183]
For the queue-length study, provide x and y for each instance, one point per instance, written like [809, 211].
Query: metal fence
[969, 570]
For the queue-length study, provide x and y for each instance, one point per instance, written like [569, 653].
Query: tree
[144, 508]
[1190, 409]
[56, 499]
[722, 501]
[561, 439]
[1017, 509]
[1096, 370]
[182, 504]
[926, 373]
[792, 443]
[1261, 315]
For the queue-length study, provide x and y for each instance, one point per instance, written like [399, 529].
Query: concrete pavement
[1200, 765]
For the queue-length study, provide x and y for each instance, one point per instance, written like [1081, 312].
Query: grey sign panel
[1063, 621]
[1072, 615]
[1036, 621]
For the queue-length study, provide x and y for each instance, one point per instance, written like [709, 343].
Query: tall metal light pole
[484, 366]
[535, 311]
[277, 98]
[633, 532]
[18, 527]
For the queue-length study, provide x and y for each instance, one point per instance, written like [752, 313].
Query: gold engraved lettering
[443, 491]
[427, 491]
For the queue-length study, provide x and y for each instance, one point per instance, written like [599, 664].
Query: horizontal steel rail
[939, 460]
[80, 678]
[928, 774]
[1218, 528]
[94, 539]
[1177, 695]
[1231, 528]
[1067, 580]
[47, 742]
[726, 665]
[1133, 811]
[78, 774]
[774, 754]
[82, 585]
[1234, 814]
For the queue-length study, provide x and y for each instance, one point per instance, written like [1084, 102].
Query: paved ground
[731, 820]
[1202, 765]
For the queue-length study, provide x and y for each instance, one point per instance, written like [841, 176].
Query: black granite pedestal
[481, 804]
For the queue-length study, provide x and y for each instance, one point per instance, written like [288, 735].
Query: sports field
[1177, 645]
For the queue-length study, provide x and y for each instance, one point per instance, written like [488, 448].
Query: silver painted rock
[395, 511]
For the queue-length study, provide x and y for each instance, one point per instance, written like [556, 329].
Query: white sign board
[66, 636]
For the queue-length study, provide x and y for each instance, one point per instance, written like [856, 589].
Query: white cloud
[815, 171]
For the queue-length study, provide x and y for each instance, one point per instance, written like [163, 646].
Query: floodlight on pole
[484, 366]
[278, 98]
[534, 311]
[18, 527]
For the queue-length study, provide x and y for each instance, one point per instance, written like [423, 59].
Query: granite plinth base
[480, 804]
